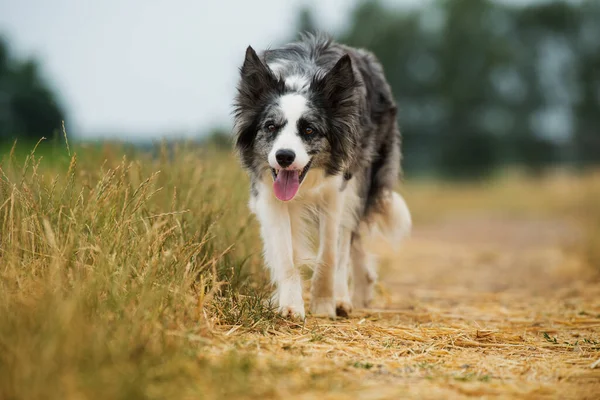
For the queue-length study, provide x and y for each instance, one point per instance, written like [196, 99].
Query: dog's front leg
[276, 232]
[343, 304]
[322, 291]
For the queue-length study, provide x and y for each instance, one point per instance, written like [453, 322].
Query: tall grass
[113, 269]
[118, 267]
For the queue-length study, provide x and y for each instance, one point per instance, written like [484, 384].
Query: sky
[151, 68]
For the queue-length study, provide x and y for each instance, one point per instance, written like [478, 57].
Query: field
[130, 275]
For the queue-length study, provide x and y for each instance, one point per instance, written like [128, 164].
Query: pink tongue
[286, 185]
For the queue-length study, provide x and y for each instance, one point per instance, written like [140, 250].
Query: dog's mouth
[286, 182]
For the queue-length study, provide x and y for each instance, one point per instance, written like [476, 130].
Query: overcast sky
[151, 67]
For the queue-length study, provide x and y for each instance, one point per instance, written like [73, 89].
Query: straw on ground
[118, 281]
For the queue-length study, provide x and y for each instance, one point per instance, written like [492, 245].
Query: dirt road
[471, 306]
[499, 302]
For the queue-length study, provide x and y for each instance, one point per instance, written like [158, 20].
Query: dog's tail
[393, 222]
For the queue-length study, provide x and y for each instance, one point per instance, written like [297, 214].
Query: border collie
[316, 129]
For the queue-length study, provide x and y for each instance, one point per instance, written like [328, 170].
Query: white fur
[276, 232]
[285, 232]
[394, 224]
[296, 82]
[399, 223]
[342, 272]
[331, 210]
[276, 68]
[293, 107]
[391, 226]
[364, 275]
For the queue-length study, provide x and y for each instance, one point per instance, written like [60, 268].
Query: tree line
[28, 105]
[481, 84]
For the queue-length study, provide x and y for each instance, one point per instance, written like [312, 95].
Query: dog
[315, 128]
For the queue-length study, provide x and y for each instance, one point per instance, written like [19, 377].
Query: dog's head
[289, 132]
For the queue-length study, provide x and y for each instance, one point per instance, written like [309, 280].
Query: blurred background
[482, 85]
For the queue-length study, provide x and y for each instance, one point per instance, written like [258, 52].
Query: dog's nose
[285, 157]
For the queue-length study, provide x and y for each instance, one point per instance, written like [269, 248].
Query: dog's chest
[316, 185]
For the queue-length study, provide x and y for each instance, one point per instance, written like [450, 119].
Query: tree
[587, 106]
[482, 84]
[439, 71]
[28, 107]
[306, 21]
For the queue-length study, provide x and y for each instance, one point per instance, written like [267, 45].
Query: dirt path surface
[472, 306]
[501, 304]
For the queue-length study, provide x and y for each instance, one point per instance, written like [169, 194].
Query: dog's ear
[257, 78]
[339, 83]
[256, 84]
[337, 90]
[252, 64]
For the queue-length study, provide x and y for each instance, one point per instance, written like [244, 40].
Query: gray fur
[350, 102]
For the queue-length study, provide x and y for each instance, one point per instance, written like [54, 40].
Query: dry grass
[588, 213]
[119, 281]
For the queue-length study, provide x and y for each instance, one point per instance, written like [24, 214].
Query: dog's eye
[309, 131]
[271, 127]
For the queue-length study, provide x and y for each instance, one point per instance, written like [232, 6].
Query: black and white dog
[315, 127]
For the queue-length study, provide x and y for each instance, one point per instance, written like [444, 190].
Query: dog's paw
[323, 306]
[291, 312]
[343, 308]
